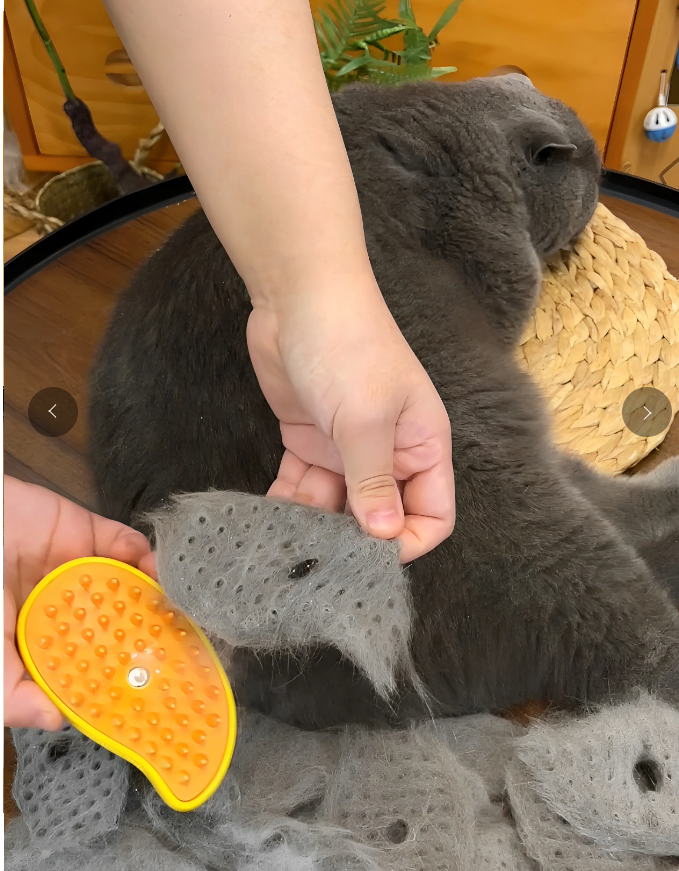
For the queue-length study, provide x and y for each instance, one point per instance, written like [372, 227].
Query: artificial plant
[351, 36]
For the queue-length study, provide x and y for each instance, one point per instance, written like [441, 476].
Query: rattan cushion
[606, 323]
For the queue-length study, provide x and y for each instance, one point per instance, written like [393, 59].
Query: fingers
[147, 564]
[366, 445]
[429, 501]
[322, 489]
[28, 707]
[428, 497]
[114, 540]
[117, 541]
[25, 704]
[309, 444]
[290, 475]
[298, 481]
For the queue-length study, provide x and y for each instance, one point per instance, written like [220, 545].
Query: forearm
[240, 89]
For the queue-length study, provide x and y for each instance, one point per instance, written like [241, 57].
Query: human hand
[360, 418]
[43, 531]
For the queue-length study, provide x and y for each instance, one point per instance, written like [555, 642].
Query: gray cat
[556, 583]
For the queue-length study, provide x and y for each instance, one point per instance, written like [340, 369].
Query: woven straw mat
[606, 323]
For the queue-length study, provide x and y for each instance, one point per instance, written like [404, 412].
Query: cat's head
[445, 160]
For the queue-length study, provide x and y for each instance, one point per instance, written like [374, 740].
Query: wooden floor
[54, 321]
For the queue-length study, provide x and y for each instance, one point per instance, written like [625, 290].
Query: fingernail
[379, 521]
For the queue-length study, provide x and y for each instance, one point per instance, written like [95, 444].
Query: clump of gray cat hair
[598, 792]
[271, 576]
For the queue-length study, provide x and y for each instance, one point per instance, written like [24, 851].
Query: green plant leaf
[448, 14]
[442, 71]
[416, 47]
[364, 18]
[348, 22]
[377, 63]
[351, 32]
[333, 37]
[405, 11]
[385, 32]
[356, 63]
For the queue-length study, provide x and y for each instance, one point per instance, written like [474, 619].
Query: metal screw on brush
[138, 677]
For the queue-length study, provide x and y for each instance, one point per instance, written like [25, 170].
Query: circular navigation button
[647, 412]
[53, 412]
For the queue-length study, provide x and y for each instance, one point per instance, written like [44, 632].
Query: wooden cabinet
[575, 50]
[653, 48]
[93, 57]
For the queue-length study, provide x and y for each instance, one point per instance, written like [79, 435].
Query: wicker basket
[606, 323]
[77, 191]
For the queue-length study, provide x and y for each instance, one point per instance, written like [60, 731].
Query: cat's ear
[545, 140]
[551, 152]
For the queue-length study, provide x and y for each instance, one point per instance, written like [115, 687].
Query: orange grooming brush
[132, 674]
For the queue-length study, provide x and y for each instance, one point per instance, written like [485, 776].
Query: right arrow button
[647, 412]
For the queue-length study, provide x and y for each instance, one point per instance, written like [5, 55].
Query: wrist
[349, 281]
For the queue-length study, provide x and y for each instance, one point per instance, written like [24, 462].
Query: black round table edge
[166, 193]
[660, 197]
[94, 223]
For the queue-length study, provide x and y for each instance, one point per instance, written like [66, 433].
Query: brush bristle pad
[121, 661]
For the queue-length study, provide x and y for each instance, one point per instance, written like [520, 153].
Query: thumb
[27, 706]
[366, 445]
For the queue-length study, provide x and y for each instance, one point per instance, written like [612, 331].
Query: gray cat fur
[563, 797]
[355, 597]
[474, 793]
[541, 591]
[569, 762]
[69, 789]
[546, 588]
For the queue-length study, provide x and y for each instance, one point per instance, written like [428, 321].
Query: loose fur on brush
[546, 588]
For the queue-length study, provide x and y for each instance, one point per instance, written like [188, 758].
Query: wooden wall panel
[571, 49]
[84, 37]
[653, 48]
